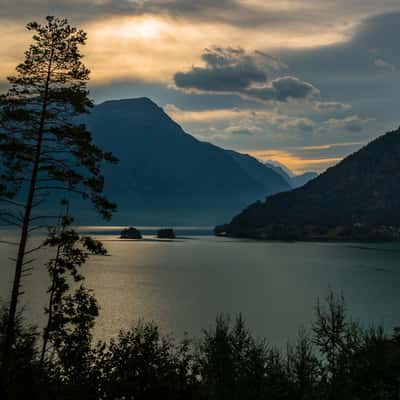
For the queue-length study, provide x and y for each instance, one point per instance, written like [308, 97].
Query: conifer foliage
[43, 146]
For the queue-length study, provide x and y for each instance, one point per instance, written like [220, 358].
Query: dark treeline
[336, 360]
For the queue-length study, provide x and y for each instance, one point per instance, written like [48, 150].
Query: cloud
[152, 39]
[236, 119]
[282, 89]
[296, 163]
[300, 142]
[232, 70]
[347, 71]
[301, 124]
[148, 47]
[308, 158]
[352, 123]
[243, 129]
[384, 65]
[297, 15]
[204, 116]
[330, 146]
[226, 70]
[219, 114]
[234, 127]
[331, 106]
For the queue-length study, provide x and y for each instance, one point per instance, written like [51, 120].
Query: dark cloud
[232, 70]
[297, 15]
[225, 11]
[351, 69]
[230, 12]
[353, 123]
[300, 124]
[283, 89]
[362, 72]
[27, 10]
[227, 70]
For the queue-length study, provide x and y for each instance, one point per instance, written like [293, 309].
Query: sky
[301, 82]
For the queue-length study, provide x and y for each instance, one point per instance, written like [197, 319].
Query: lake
[183, 284]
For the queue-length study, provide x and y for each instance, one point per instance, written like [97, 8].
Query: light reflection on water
[183, 284]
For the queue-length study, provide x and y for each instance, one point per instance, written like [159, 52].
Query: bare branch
[29, 261]
[30, 251]
[14, 203]
[63, 188]
[42, 199]
[38, 227]
[8, 242]
[10, 222]
[38, 217]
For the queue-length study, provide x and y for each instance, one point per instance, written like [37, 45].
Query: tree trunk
[19, 265]
[50, 305]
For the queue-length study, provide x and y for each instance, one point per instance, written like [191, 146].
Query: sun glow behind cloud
[137, 29]
[294, 162]
[152, 48]
[151, 40]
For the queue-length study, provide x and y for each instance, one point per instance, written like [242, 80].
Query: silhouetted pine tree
[42, 147]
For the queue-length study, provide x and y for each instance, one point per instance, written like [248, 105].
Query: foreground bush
[337, 360]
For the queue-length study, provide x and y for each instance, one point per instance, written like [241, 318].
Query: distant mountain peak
[167, 176]
[276, 164]
[133, 101]
[294, 181]
[136, 104]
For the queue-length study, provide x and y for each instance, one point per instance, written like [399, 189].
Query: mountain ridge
[294, 181]
[166, 175]
[354, 199]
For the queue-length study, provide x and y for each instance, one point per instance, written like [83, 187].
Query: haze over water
[183, 284]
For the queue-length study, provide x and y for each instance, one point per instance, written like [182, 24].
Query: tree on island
[43, 147]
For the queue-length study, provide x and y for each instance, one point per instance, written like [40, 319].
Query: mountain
[356, 199]
[300, 180]
[165, 175]
[259, 171]
[293, 180]
[280, 169]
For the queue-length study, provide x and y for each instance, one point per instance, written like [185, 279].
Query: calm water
[183, 284]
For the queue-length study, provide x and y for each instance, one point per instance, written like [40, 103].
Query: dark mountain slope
[167, 176]
[361, 193]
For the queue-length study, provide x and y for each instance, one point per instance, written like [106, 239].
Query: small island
[221, 230]
[166, 233]
[130, 233]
